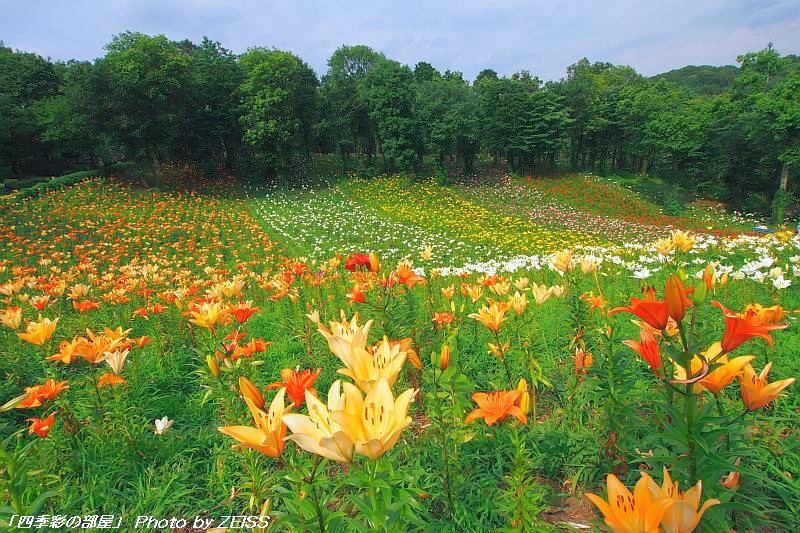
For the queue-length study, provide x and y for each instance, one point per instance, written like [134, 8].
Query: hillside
[702, 79]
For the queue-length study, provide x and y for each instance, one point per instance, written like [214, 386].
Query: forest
[729, 132]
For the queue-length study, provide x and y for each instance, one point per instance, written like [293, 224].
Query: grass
[134, 247]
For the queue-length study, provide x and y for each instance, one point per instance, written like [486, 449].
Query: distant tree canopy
[152, 99]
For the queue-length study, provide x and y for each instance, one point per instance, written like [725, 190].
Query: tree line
[151, 99]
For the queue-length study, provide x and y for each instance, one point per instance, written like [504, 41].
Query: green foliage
[703, 79]
[780, 202]
[278, 105]
[389, 92]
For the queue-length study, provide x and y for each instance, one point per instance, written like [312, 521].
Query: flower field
[394, 355]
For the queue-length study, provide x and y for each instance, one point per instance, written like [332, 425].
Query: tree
[148, 91]
[278, 105]
[389, 92]
[446, 111]
[25, 79]
[345, 120]
[213, 122]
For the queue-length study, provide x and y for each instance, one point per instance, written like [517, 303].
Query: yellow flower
[318, 432]
[426, 253]
[519, 302]
[11, 317]
[756, 392]
[521, 283]
[39, 332]
[449, 292]
[541, 293]
[589, 265]
[473, 291]
[384, 361]
[209, 314]
[723, 375]
[493, 315]
[68, 351]
[682, 516]
[562, 261]
[683, 241]
[664, 246]
[268, 437]
[375, 422]
[624, 512]
[524, 402]
[343, 336]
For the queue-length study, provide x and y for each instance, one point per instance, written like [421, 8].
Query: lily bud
[731, 481]
[374, 262]
[723, 280]
[708, 277]
[700, 292]
[444, 357]
[413, 356]
[525, 397]
[251, 392]
[675, 297]
[213, 366]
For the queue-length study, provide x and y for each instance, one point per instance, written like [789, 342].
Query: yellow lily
[375, 422]
[756, 392]
[365, 367]
[723, 375]
[541, 293]
[39, 332]
[268, 437]
[344, 337]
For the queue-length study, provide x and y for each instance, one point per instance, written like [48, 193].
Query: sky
[543, 37]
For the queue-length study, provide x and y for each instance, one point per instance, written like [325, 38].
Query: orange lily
[682, 516]
[296, 382]
[653, 312]
[740, 329]
[648, 349]
[497, 406]
[640, 512]
[675, 298]
[42, 426]
[110, 379]
[756, 392]
[38, 393]
[250, 392]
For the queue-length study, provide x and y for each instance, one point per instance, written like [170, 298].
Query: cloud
[469, 35]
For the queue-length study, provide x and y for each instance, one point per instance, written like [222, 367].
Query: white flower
[162, 425]
[781, 283]
[116, 360]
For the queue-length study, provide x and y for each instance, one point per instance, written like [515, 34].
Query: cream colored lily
[385, 361]
[343, 337]
[319, 432]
